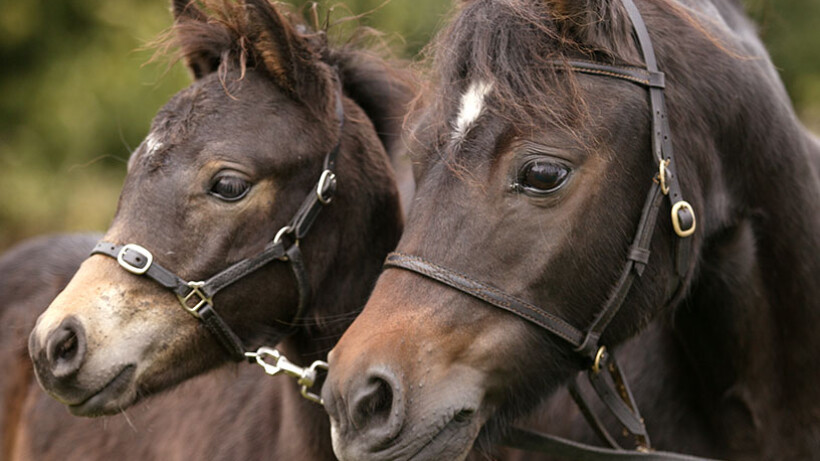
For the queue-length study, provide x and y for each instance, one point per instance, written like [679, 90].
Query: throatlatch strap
[592, 419]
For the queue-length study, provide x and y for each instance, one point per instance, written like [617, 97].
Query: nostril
[372, 403]
[65, 348]
[68, 349]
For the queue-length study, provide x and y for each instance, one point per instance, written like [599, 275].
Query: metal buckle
[599, 357]
[676, 220]
[327, 183]
[196, 290]
[305, 377]
[662, 175]
[139, 250]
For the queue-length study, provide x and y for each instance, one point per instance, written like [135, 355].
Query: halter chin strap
[604, 373]
[196, 297]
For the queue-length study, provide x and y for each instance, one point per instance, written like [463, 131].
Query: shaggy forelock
[513, 45]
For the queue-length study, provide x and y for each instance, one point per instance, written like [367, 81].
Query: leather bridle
[604, 374]
[197, 297]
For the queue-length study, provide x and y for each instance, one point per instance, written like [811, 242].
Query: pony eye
[230, 188]
[542, 177]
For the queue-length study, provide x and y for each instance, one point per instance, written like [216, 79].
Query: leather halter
[604, 374]
[196, 297]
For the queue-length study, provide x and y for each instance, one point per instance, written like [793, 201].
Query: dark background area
[78, 94]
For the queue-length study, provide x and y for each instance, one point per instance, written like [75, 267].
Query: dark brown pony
[531, 178]
[226, 164]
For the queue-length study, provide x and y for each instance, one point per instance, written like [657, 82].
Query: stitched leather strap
[592, 419]
[486, 293]
[610, 386]
[237, 271]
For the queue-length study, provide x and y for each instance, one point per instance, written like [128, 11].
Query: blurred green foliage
[77, 96]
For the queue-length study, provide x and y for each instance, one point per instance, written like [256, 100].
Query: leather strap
[486, 293]
[592, 419]
[610, 386]
[567, 449]
[297, 265]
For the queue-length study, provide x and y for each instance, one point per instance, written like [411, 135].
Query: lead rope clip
[305, 376]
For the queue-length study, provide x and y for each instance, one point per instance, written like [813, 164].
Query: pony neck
[750, 323]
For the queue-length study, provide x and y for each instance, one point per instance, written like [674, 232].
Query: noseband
[196, 297]
[604, 374]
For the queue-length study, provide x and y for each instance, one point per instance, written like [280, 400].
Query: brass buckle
[676, 220]
[196, 290]
[599, 356]
[149, 258]
[662, 176]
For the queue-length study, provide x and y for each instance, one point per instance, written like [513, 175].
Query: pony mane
[383, 88]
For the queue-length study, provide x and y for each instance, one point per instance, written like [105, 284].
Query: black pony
[531, 181]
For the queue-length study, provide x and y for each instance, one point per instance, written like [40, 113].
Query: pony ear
[287, 56]
[599, 24]
[201, 56]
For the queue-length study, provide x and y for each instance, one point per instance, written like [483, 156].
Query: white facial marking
[152, 144]
[472, 104]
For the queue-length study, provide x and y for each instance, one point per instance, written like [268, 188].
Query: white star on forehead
[152, 144]
[472, 104]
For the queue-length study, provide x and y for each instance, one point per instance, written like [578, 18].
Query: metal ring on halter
[327, 183]
[282, 232]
